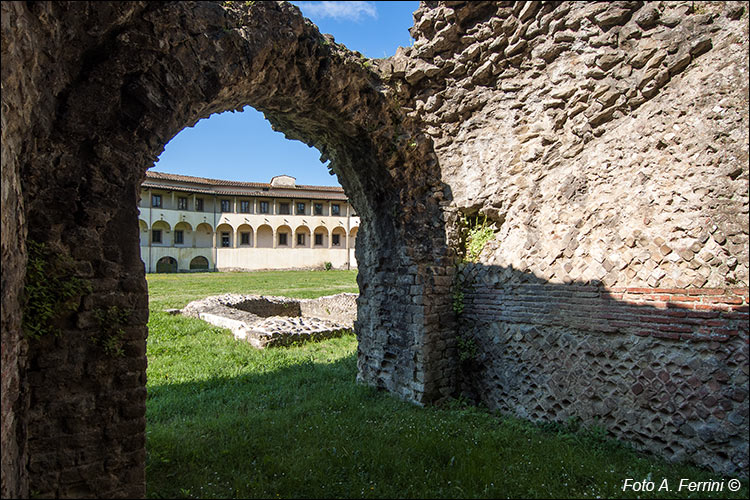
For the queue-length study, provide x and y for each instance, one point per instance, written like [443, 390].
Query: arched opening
[353, 237]
[199, 263]
[284, 237]
[166, 265]
[338, 238]
[203, 235]
[161, 234]
[320, 237]
[265, 236]
[224, 236]
[245, 235]
[302, 237]
[183, 234]
[155, 81]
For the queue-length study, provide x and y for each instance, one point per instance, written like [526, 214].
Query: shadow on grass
[304, 428]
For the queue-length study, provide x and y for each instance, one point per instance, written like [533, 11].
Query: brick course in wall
[663, 368]
[605, 142]
[697, 314]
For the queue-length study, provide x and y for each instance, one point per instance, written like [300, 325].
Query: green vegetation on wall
[478, 234]
[111, 321]
[51, 291]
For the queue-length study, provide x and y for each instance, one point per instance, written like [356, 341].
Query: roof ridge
[223, 182]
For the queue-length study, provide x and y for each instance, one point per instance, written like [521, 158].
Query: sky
[240, 146]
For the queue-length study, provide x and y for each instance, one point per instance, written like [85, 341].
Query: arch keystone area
[604, 144]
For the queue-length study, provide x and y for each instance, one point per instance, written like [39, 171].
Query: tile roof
[237, 188]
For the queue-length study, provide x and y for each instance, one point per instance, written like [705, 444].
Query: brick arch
[128, 79]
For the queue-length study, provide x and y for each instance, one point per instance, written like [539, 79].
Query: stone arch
[156, 81]
[338, 237]
[283, 237]
[199, 263]
[323, 232]
[302, 237]
[161, 233]
[166, 264]
[203, 235]
[264, 236]
[245, 228]
[187, 234]
[353, 236]
[224, 236]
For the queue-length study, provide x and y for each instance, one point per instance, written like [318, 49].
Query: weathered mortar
[289, 321]
[93, 92]
[606, 141]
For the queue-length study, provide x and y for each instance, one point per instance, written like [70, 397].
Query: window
[179, 238]
[284, 208]
[300, 239]
[336, 240]
[245, 206]
[225, 240]
[181, 203]
[225, 205]
[318, 209]
[244, 238]
[199, 204]
[264, 207]
[282, 239]
[300, 209]
[156, 200]
[335, 209]
[318, 240]
[156, 235]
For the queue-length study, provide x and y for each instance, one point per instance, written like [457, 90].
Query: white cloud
[341, 11]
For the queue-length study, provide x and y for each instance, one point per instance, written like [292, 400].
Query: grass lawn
[228, 421]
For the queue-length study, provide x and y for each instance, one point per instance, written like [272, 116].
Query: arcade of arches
[586, 133]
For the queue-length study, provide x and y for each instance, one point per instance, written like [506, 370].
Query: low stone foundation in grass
[267, 321]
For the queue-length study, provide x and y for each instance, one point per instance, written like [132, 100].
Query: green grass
[227, 421]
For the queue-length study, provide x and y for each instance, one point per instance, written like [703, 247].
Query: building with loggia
[200, 224]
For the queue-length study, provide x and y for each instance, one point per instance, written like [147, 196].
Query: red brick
[703, 314]
[676, 313]
[706, 291]
[664, 335]
[684, 298]
[657, 304]
[712, 307]
[655, 319]
[640, 290]
[675, 328]
[714, 322]
[723, 300]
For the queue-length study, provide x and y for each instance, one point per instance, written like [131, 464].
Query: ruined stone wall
[341, 307]
[92, 92]
[607, 144]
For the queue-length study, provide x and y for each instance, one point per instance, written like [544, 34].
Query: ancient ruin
[267, 321]
[605, 142]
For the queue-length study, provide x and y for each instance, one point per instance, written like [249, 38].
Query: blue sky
[242, 146]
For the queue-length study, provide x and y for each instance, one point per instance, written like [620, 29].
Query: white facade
[193, 223]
